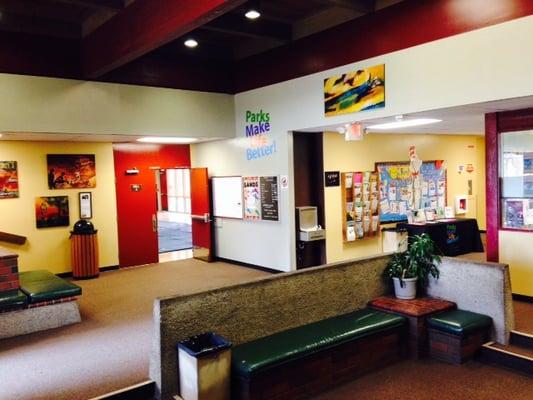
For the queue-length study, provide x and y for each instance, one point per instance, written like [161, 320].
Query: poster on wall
[9, 183]
[67, 171]
[399, 191]
[252, 198]
[355, 91]
[52, 211]
[268, 186]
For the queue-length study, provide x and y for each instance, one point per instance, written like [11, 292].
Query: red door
[201, 218]
[137, 218]
[137, 197]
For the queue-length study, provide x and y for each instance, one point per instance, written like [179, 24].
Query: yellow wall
[515, 251]
[49, 248]
[343, 156]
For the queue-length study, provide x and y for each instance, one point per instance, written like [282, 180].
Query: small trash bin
[204, 367]
[394, 239]
[84, 250]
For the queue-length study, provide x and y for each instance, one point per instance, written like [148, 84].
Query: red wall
[136, 239]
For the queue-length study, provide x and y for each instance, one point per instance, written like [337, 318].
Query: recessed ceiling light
[167, 140]
[252, 14]
[404, 123]
[191, 43]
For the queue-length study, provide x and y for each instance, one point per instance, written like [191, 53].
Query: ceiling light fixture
[167, 140]
[252, 10]
[404, 123]
[190, 43]
[252, 14]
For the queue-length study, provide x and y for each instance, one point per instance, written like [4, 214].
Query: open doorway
[174, 214]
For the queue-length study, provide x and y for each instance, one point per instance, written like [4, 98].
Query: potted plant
[412, 267]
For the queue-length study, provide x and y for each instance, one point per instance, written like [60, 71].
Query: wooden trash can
[84, 255]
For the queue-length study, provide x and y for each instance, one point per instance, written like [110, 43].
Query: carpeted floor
[110, 348]
[433, 380]
[523, 312]
[174, 236]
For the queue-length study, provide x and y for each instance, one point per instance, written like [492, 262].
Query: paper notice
[392, 193]
[384, 206]
[425, 188]
[402, 208]
[432, 189]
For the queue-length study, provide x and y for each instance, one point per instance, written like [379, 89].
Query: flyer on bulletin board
[252, 198]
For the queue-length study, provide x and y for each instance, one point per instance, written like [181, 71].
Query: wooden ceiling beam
[362, 6]
[116, 5]
[144, 26]
[236, 24]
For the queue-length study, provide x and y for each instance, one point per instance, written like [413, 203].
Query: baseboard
[141, 391]
[102, 269]
[522, 297]
[243, 264]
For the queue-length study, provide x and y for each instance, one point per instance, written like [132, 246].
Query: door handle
[154, 223]
[206, 218]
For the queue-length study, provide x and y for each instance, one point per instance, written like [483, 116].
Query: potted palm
[412, 267]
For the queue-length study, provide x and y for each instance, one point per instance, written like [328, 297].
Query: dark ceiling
[142, 41]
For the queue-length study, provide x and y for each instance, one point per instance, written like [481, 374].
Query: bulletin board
[397, 188]
[260, 196]
[227, 196]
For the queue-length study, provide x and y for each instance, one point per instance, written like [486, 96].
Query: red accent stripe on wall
[492, 186]
[398, 27]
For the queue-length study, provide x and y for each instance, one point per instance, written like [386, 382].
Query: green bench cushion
[12, 299]
[42, 286]
[459, 322]
[283, 346]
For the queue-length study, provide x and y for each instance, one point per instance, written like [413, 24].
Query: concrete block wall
[482, 287]
[259, 308]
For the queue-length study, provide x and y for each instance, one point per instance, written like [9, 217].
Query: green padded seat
[273, 350]
[459, 322]
[42, 286]
[12, 299]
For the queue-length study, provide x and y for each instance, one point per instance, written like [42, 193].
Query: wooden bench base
[455, 349]
[306, 376]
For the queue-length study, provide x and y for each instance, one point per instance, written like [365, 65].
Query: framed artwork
[86, 205]
[52, 211]
[9, 184]
[355, 91]
[71, 171]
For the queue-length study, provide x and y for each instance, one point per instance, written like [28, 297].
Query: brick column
[9, 272]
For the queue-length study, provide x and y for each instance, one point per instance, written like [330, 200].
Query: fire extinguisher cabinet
[84, 250]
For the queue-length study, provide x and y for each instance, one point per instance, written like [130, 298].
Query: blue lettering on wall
[255, 153]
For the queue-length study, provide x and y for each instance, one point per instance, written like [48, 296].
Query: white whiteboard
[227, 196]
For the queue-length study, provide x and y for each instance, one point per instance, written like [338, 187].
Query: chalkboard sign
[332, 178]
[269, 198]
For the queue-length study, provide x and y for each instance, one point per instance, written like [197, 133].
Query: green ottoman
[455, 336]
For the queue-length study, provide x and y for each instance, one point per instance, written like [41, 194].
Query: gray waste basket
[204, 367]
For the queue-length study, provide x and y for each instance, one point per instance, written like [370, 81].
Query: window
[179, 190]
[516, 177]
